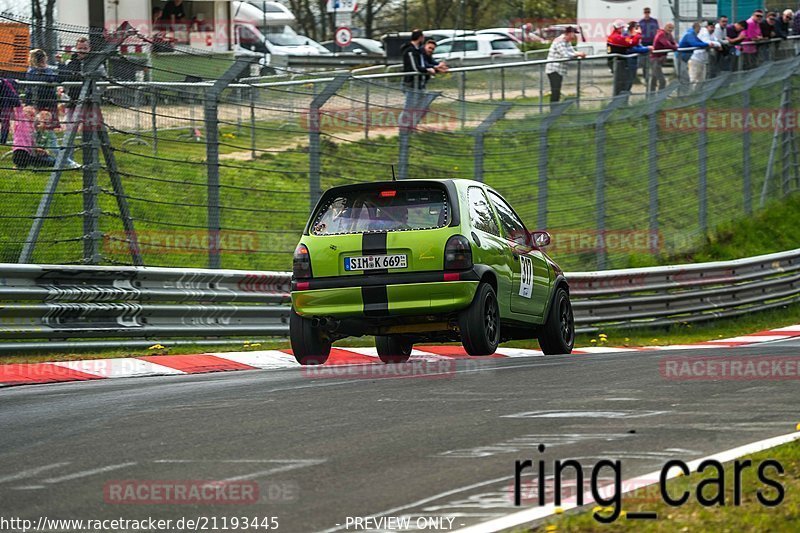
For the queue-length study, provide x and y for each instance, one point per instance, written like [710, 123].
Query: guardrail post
[578, 84]
[367, 116]
[253, 122]
[211, 118]
[479, 153]
[462, 97]
[541, 87]
[600, 173]
[112, 42]
[544, 151]
[654, 105]
[91, 212]
[502, 83]
[153, 119]
[702, 170]
[314, 146]
[416, 107]
[747, 183]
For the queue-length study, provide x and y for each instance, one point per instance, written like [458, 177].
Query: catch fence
[206, 166]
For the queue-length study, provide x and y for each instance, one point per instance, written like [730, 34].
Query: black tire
[480, 322]
[393, 350]
[557, 336]
[310, 346]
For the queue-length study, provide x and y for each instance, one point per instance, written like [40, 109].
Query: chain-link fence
[179, 158]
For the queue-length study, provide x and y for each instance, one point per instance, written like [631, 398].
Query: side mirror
[541, 238]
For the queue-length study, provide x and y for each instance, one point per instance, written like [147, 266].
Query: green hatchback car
[424, 261]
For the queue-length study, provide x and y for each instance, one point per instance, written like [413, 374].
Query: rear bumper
[385, 295]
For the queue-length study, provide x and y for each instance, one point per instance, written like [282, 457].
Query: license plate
[375, 262]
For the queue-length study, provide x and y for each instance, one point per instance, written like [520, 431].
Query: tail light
[457, 253]
[301, 263]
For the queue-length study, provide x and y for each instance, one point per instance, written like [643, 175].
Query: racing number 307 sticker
[526, 276]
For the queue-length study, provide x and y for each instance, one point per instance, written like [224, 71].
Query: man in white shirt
[561, 48]
[698, 63]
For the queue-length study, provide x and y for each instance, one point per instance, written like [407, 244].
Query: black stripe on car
[376, 298]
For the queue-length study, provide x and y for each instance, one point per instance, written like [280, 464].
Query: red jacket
[617, 40]
[663, 41]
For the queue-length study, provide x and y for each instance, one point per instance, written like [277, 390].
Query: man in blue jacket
[689, 40]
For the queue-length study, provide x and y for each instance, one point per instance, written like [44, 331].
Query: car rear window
[379, 210]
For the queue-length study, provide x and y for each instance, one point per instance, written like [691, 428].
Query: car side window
[480, 214]
[512, 225]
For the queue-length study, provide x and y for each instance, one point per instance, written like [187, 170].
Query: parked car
[477, 47]
[548, 33]
[500, 32]
[424, 261]
[522, 35]
[249, 39]
[357, 46]
[440, 35]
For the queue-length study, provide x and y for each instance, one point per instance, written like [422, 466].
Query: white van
[266, 28]
[596, 17]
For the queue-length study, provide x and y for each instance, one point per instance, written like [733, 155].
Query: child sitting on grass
[26, 151]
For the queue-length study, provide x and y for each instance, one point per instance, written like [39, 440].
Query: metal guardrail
[58, 303]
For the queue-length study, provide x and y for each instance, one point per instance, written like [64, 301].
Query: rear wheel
[480, 322]
[310, 345]
[393, 350]
[557, 336]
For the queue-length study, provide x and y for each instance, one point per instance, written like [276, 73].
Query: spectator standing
[736, 36]
[768, 31]
[417, 75]
[618, 42]
[783, 26]
[9, 102]
[414, 63]
[74, 71]
[650, 27]
[430, 62]
[665, 40]
[174, 15]
[690, 39]
[42, 97]
[723, 57]
[752, 36]
[560, 48]
[795, 23]
[699, 62]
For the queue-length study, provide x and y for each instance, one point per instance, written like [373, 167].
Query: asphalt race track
[323, 449]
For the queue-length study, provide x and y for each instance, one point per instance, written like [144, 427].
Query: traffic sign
[345, 6]
[343, 36]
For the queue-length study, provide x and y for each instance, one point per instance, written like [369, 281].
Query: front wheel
[310, 345]
[393, 350]
[557, 336]
[480, 322]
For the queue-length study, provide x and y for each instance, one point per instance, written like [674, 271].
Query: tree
[368, 15]
[43, 33]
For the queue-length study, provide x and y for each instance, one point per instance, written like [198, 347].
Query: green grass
[749, 516]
